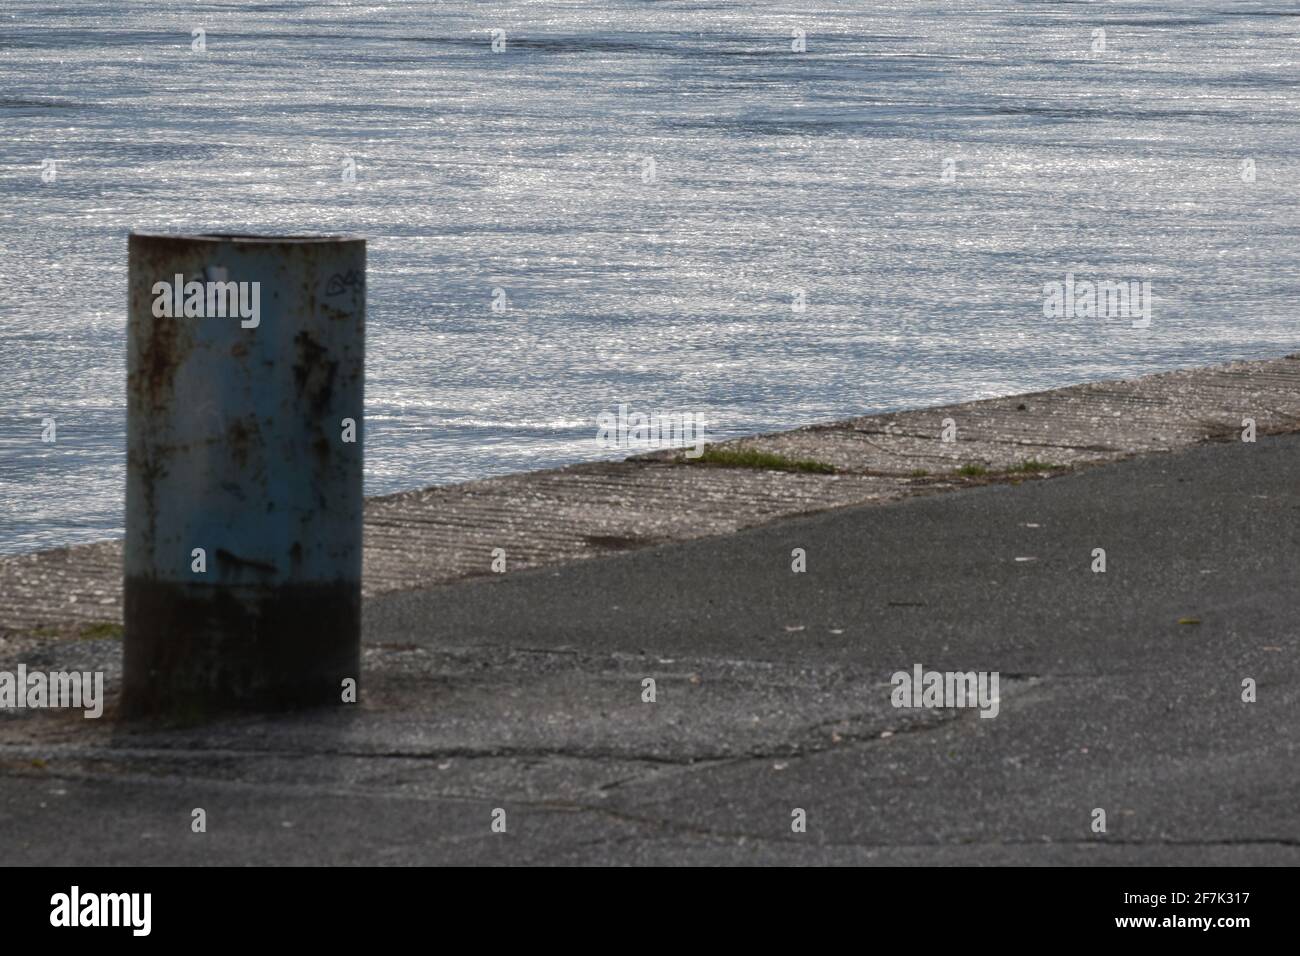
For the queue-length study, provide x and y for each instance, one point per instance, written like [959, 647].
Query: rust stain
[314, 373]
[237, 561]
[159, 360]
[241, 436]
[166, 345]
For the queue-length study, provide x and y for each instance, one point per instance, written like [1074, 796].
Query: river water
[921, 170]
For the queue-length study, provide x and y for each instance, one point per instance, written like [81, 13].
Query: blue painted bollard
[245, 373]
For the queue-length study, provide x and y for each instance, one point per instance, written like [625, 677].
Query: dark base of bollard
[193, 650]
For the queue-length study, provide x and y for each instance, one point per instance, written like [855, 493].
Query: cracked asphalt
[524, 692]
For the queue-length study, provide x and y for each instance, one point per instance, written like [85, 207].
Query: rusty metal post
[244, 497]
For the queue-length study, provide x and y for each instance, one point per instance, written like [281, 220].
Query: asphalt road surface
[520, 699]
